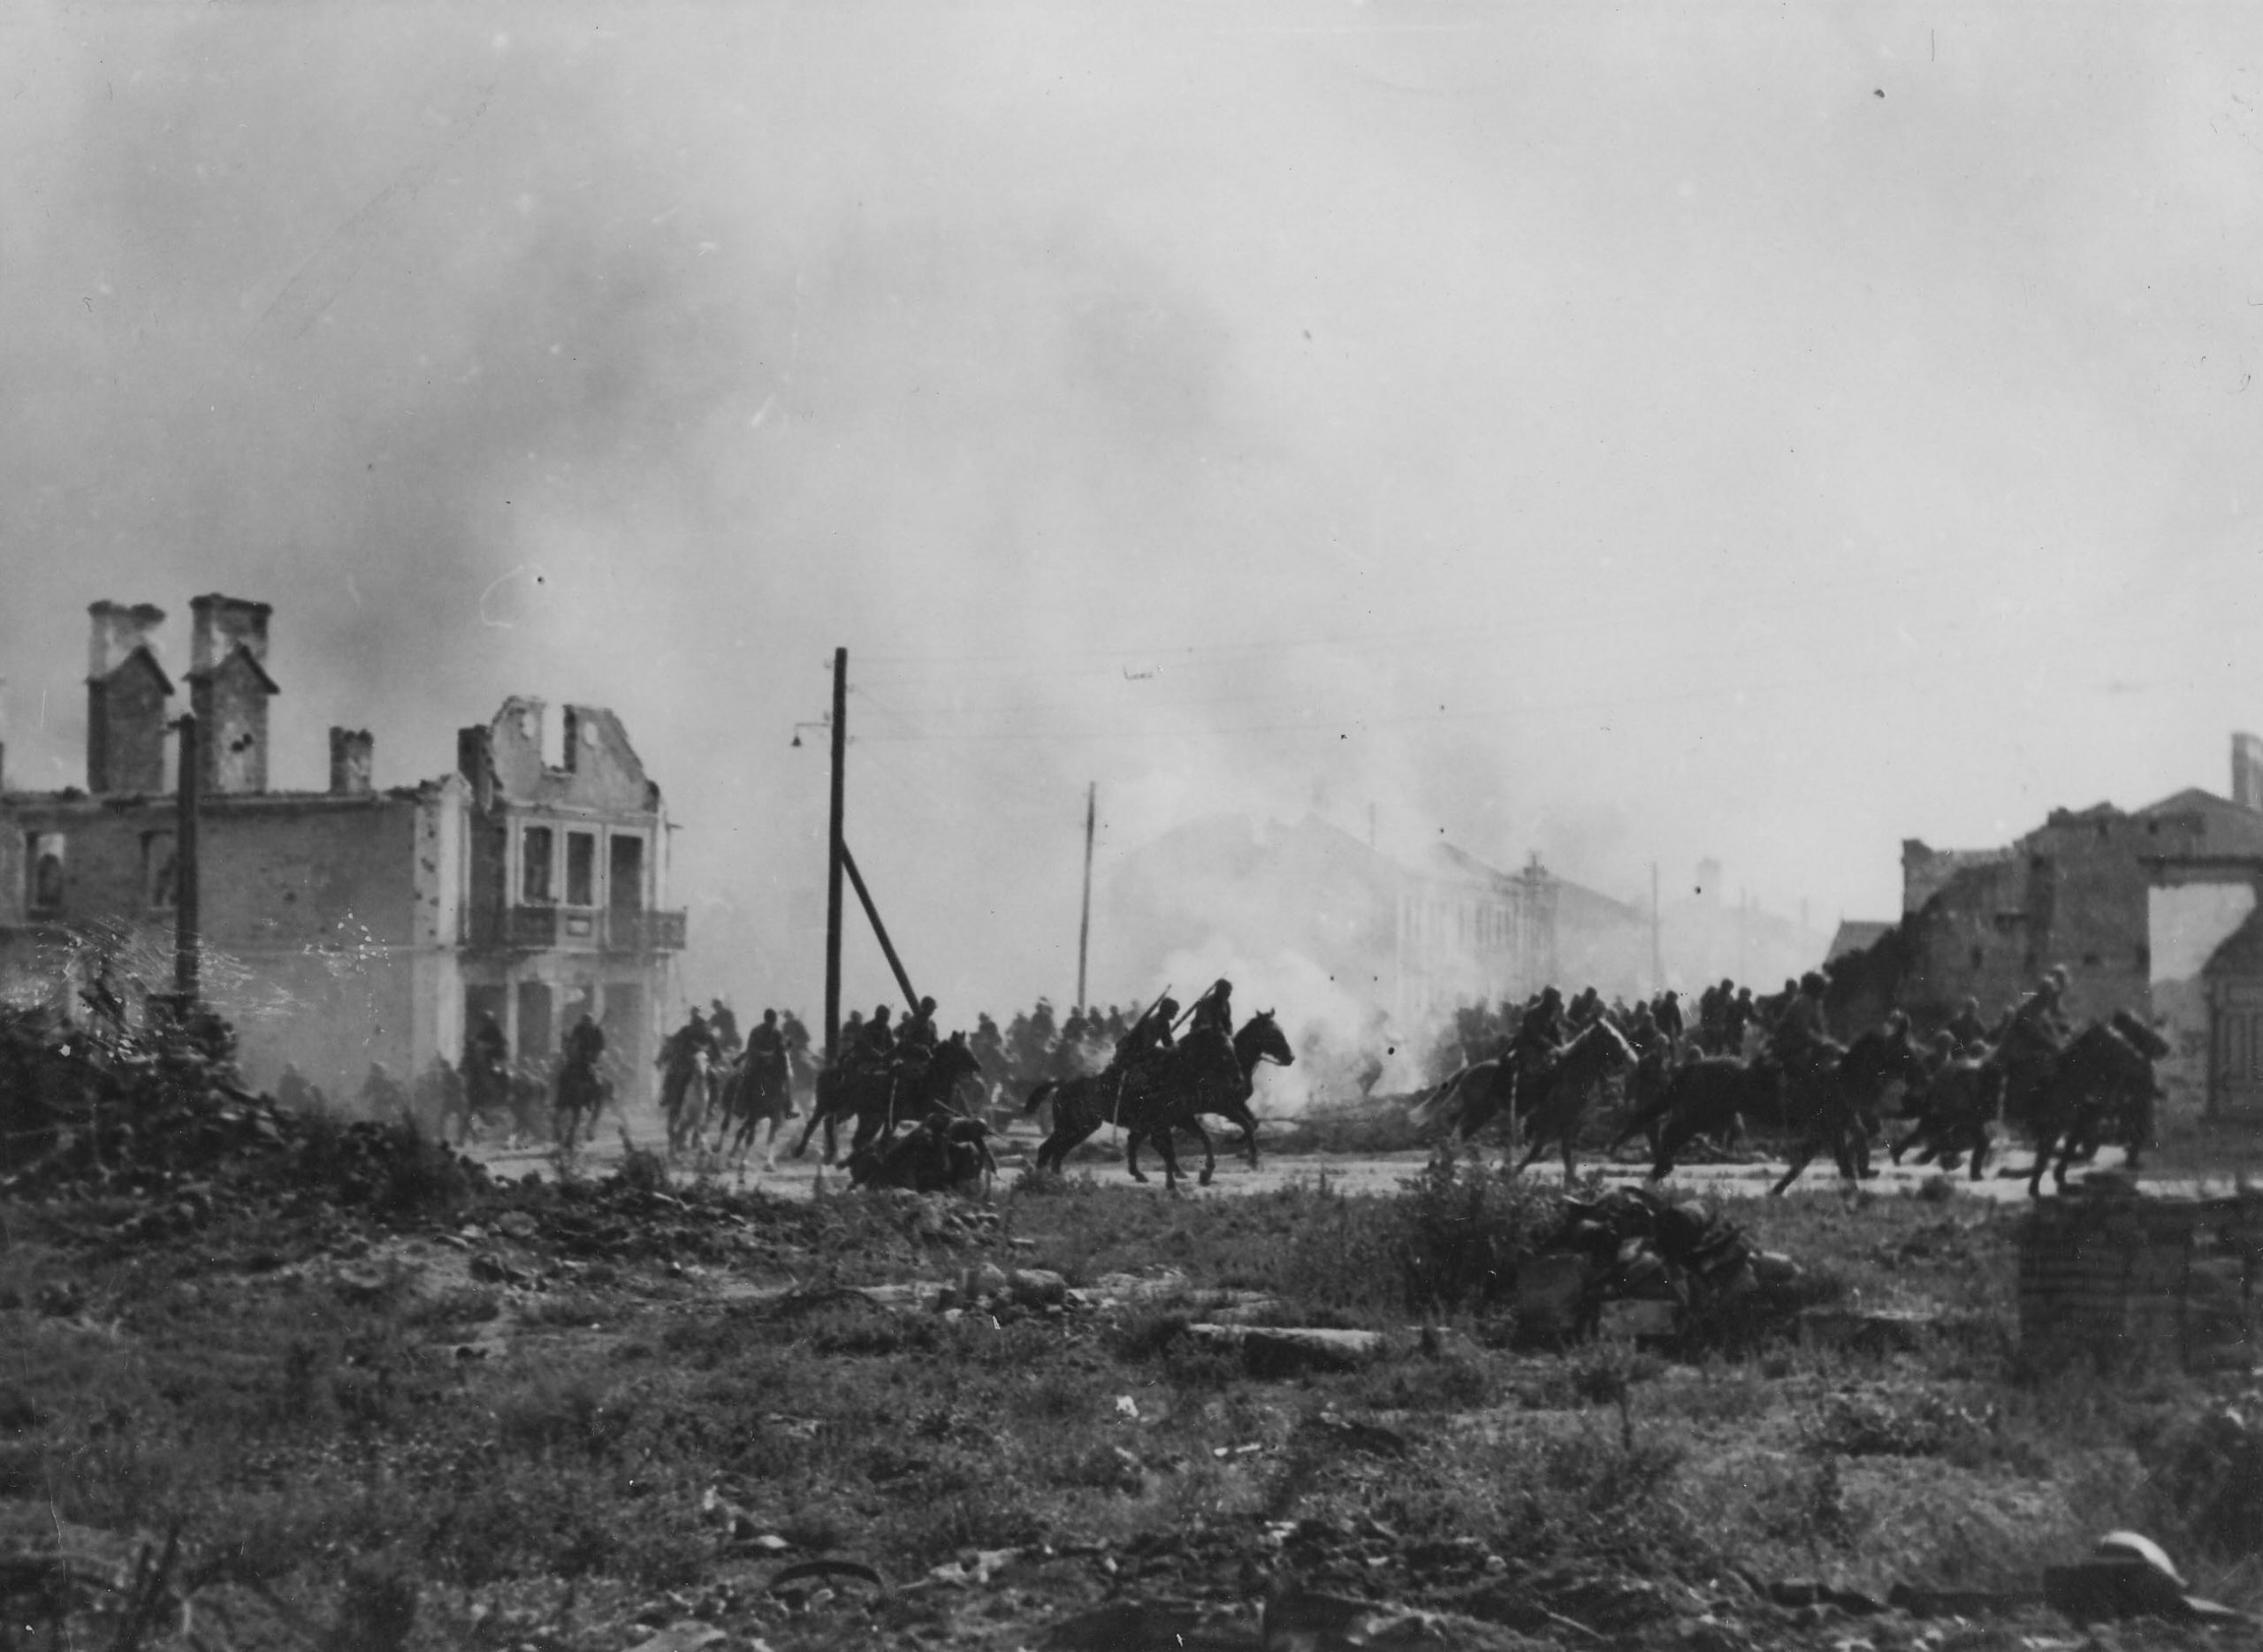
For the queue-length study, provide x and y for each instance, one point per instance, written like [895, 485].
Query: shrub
[1464, 1229]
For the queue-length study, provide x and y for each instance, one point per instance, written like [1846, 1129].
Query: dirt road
[1384, 1174]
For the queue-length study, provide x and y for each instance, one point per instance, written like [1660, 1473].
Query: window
[159, 869]
[43, 865]
[581, 869]
[534, 882]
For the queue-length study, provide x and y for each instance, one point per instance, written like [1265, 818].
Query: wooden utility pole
[185, 872]
[1085, 922]
[833, 857]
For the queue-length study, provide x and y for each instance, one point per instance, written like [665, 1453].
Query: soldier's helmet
[880, 1013]
[1167, 1009]
[1222, 987]
[1549, 996]
[1811, 984]
[768, 1016]
[926, 1006]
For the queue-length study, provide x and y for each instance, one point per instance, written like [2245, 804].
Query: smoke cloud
[1629, 442]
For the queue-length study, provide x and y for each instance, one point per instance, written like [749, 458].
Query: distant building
[1408, 940]
[1418, 937]
[353, 925]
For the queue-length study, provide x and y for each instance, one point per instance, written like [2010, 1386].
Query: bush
[1464, 1231]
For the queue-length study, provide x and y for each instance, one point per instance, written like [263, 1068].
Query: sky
[1630, 435]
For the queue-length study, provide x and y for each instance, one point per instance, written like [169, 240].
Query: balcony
[574, 929]
[644, 932]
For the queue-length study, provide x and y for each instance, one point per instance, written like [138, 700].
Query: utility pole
[833, 858]
[185, 873]
[1085, 922]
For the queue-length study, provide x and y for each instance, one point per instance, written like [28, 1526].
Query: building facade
[355, 925]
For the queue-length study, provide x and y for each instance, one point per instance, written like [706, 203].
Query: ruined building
[2076, 891]
[356, 925]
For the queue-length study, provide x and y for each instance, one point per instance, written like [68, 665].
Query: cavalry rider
[918, 1031]
[726, 1027]
[1539, 1040]
[765, 1046]
[1737, 1014]
[1150, 1034]
[989, 1043]
[486, 1060]
[766, 1056]
[585, 1043]
[1643, 1033]
[692, 1037]
[796, 1034]
[1214, 1011]
[1669, 1014]
[1966, 1027]
[1798, 1039]
[2033, 1040]
[875, 1044]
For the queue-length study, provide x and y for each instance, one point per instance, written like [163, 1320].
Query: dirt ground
[600, 1406]
[1344, 1173]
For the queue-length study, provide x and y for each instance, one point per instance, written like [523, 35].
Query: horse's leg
[1171, 1159]
[2046, 1137]
[1131, 1152]
[1209, 1157]
[1803, 1152]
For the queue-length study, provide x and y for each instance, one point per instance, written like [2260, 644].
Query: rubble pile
[160, 1114]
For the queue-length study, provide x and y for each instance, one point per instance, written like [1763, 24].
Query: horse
[2102, 1080]
[943, 1153]
[581, 1089]
[1585, 1066]
[687, 1094]
[1140, 1097]
[1709, 1096]
[1210, 1091]
[879, 1097]
[1481, 1091]
[526, 1089]
[1951, 1112]
[752, 1091]
[1834, 1101]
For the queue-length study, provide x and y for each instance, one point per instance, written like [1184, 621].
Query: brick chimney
[126, 690]
[2247, 770]
[228, 688]
[351, 754]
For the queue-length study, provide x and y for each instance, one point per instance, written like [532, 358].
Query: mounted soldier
[1798, 1040]
[1737, 1014]
[875, 1043]
[1966, 1027]
[2033, 1037]
[989, 1043]
[1150, 1034]
[1214, 1011]
[486, 1066]
[1539, 1040]
[918, 1030]
[1669, 1014]
[766, 1051]
[725, 1026]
